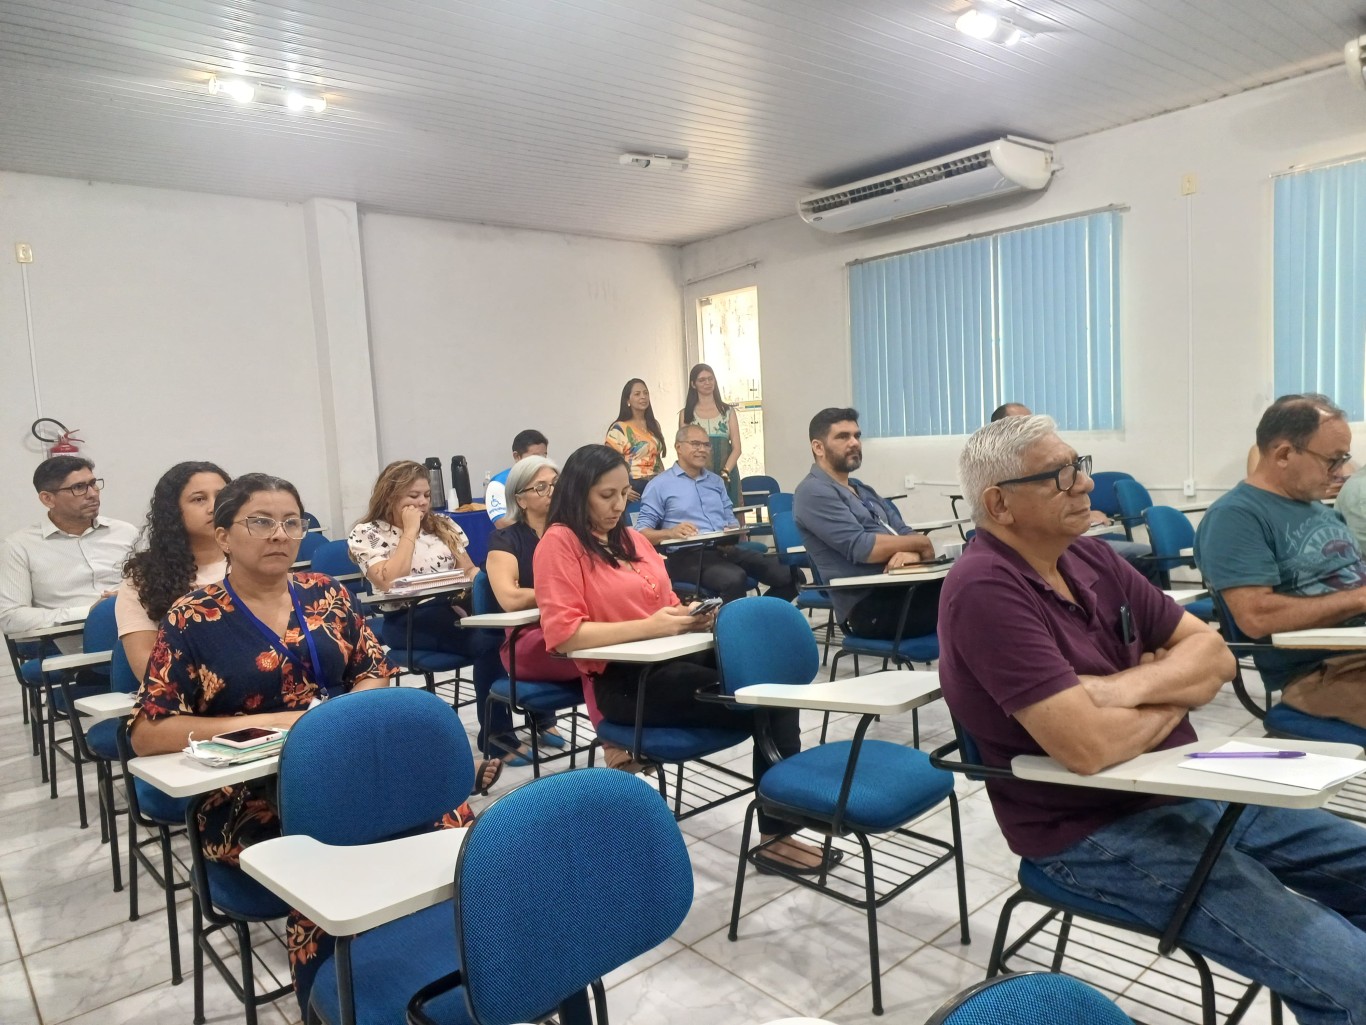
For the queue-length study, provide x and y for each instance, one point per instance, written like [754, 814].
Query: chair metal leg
[1064, 933]
[132, 868]
[104, 781]
[79, 764]
[243, 931]
[172, 928]
[197, 941]
[51, 749]
[963, 934]
[870, 887]
[740, 871]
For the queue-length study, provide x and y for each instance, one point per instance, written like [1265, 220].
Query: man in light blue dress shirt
[689, 499]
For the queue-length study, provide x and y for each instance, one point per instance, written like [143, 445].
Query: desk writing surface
[701, 536]
[414, 594]
[887, 579]
[98, 707]
[348, 890]
[1346, 638]
[1162, 773]
[502, 620]
[74, 626]
[179, 775]
[1187, 596]
[929, 525]
[80, 660]
[656, 649]
[886, 693]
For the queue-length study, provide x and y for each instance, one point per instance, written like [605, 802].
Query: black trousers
[670, 701]
[725, 569]
[876, 616]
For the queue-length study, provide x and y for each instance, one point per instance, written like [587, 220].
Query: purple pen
[1246, 754]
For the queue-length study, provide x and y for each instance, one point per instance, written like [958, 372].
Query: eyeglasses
[1332, 463]
[698, 444]
[541, 488]
[1064, 477]
[81, 487]
[266, 526]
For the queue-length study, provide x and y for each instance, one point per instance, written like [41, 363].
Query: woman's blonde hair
[393, 481]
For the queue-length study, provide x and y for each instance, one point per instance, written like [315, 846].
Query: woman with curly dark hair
[175, 553]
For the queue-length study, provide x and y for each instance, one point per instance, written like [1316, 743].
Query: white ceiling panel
[515, 111]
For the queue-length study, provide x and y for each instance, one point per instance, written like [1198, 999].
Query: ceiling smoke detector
[658, 160]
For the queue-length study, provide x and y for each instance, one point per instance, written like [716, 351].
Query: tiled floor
[69, 954]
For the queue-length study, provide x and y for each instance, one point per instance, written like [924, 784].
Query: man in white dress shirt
[54, 570]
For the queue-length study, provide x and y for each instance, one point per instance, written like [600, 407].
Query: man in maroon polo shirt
[1052, 644]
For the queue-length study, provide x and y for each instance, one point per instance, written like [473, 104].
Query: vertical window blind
[1319, 284]
[943, 335]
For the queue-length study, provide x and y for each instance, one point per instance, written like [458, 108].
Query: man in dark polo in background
[1282, 560]
[850, 530]
[1052, 644]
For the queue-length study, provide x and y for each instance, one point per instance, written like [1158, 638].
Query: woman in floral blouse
[258, 649]
[637, 436]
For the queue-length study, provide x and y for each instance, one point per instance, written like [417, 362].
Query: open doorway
[728, 340]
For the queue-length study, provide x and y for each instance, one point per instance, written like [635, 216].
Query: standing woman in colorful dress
[707, 409]
[637, 436]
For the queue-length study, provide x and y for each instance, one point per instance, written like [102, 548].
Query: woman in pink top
[599, 582]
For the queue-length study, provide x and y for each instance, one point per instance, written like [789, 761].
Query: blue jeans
[1285, 904]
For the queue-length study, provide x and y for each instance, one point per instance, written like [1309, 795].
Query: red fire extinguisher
[64, 443]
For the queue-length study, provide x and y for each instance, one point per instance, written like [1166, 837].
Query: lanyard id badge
[275, 642]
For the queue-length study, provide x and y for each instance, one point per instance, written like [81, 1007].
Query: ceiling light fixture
[658, 160]
[267, 93]
[991, 28]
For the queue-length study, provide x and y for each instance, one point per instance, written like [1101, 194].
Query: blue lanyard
[277, 643]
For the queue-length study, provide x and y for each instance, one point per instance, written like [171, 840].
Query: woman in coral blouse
[600, 582]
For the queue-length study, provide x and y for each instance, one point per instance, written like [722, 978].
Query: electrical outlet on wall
[1188, 487]
[909, 482]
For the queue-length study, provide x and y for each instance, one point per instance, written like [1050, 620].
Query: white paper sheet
[1312, 772]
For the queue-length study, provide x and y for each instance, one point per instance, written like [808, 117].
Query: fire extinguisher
[65, 441]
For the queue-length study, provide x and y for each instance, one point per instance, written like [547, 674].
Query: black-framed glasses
[698, 444]
[81, 487]
[1331, 463]
[1064, 477]
[540, 488]
[265, 526]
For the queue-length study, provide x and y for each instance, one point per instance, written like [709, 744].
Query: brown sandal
[615, 757]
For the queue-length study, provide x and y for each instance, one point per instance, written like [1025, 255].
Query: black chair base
[245, 987]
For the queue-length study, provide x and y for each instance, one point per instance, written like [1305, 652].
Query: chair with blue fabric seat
[1035, 887]
[521, 961]
[1169, 532]
[1132, 498]
[786, 537]
[1030, 998]
[397, 761]
[334, 559]
[856, 787]
[532, 698]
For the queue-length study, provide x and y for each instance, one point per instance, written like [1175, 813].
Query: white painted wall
[478, 332]
[168, 326]
[1233, 146]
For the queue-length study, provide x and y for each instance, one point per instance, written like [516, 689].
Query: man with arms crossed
[1281, 560]
[688, 499]
[851, 530]
[1053, 644]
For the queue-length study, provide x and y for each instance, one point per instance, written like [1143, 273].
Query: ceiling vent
[994, 169]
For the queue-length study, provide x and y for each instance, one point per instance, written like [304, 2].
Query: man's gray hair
[683, 432]
[996, 453]
[521, 475]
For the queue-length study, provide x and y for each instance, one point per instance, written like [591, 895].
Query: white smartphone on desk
[251, 736]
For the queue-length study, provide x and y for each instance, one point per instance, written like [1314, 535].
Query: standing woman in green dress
[713, 414]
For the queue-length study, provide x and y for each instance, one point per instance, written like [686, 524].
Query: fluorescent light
[239, 90]
[990, 28]
[297, 102]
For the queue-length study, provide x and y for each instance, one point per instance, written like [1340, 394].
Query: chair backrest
[785, 536]
[122, 679]
[759, 482]
[779, 501]
[593, 838]
[484, 600]
[312, 541]
[1103, 494]
[1030, 998]
[372, 766]
[101, 632]
[312, 521]
[333, 558]
[1169, 531]
[764, 640]
[1132, 498]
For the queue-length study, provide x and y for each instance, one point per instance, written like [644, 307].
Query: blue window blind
[942, 336]
[1320, 284]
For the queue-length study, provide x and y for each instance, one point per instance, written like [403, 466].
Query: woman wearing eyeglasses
[258, 649]
[178, 551]
[530, 485]
[400, 536]
[707, 409]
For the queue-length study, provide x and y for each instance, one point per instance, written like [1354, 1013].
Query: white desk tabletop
[875, 694]
[656, 649]
[701, 536]
[347, 890]
[80, 660]
[409, 594]
[747, 508]
[98, 707]
[1347, 638]
[1187, 596]
[929, 525]
[1193, 507]
[503, 620]
[75, 626]
[1100, 529]
[795, 550]
[1187, 553]
[179, 775]
[1162, 772]
[889, 579]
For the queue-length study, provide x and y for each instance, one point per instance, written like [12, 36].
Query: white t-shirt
[375, 541]
[495, 496]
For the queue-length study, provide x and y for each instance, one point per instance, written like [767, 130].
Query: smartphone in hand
[706, 605]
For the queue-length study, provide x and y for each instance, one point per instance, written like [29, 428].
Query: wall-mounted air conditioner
[993, 169]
